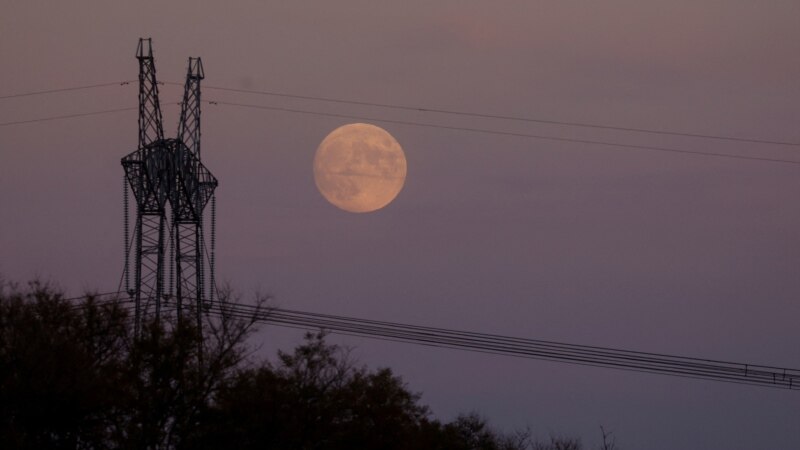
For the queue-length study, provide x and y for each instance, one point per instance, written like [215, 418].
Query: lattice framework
[171, 188]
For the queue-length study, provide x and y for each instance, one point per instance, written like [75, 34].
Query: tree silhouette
[316, 398]
[73, 376]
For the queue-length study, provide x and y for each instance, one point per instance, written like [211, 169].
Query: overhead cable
[509, 133]
[586, 355]
[427, 110]
[500, 116]
[74, 88]
[68, 116]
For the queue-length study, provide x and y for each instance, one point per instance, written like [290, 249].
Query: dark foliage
[314, 398]
[73, 376]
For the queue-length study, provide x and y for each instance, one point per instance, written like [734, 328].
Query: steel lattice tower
[167, 174]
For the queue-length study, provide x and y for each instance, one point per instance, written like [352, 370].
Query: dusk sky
[674, 253]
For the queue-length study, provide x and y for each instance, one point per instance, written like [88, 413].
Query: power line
[332, 319]
[71, 116]
[431, 125]
[503, 117]
[75, 88]
[423, 109]
[508, 133]
[584, 355]
[68, 116]
[547, 350]
[534, 349]
[496, 353]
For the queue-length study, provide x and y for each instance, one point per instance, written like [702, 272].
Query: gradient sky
[680, 254]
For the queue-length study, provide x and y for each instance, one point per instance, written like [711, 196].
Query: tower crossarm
[150, 173]
[194, 186]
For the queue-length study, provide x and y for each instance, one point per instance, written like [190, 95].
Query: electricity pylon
[168, 174]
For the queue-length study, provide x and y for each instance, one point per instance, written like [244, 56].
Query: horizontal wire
[512, 339]
[574, 349]
[773, 380]
[508, 133]
[498, 116]
[433, 345]
[518, 350]
[751, 380]
[467, 338]
[430, 125]
[286, 313]
[750, 374]
[423, 109]
[770, 378]
[710, 374]
[75, 88]
[68, 116]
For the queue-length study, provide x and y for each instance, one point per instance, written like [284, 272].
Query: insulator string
[212, 260]
[126, 220]
[171, 258]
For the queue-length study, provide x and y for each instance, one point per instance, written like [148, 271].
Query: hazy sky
[661, 252]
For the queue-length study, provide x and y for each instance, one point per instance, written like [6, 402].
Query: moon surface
[359, 167]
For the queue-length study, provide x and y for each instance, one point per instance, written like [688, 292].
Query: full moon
[359, 167]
